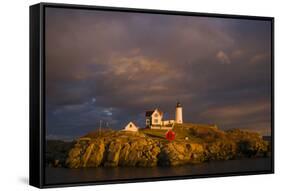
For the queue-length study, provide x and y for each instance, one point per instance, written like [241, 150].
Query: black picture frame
[37, 92]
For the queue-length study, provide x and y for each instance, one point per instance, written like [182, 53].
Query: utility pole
[100, 128]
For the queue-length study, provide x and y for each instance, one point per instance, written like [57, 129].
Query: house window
[130, 125]
[155, 120]
[156, 115]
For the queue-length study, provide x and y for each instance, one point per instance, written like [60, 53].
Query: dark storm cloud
[114, 66]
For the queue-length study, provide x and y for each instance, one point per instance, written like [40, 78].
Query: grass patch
[190, 132]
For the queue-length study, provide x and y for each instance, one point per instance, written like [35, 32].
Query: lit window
[155, 120]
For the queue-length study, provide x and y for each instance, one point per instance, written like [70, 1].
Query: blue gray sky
[113, 66]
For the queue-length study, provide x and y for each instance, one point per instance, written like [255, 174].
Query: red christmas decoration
[170, 135]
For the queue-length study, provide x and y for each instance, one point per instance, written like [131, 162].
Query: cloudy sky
[113, 66]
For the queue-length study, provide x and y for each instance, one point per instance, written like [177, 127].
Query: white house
[153, 119]
[131, 127]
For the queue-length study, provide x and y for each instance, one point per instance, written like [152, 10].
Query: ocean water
[66, 176]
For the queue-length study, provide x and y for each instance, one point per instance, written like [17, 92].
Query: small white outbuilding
[131, 127]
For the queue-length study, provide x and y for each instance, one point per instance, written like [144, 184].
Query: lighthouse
[179, 113]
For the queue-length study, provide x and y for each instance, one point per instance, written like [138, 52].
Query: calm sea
[65, 175]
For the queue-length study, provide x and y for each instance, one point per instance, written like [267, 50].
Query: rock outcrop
[115, 148]
[176, 153]
[128, 149]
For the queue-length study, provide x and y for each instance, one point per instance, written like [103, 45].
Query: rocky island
[194, 143]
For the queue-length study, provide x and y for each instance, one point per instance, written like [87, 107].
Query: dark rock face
[136, 149]
[57, 152]
[249, 144]
[112, 154]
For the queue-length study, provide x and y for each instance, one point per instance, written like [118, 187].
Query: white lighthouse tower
[179, 113]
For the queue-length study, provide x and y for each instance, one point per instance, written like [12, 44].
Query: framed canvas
[126, 95]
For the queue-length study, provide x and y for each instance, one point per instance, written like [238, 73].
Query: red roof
[148, 113]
